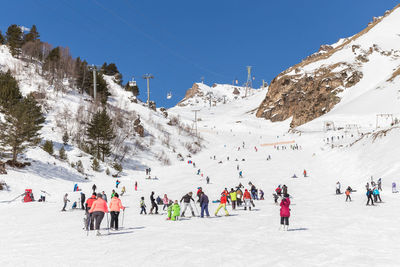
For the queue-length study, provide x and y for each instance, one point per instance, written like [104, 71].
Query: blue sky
[181, 41]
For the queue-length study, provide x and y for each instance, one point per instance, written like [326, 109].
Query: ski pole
[194, 204]
[88, 224]
[123, 215]
[108, 226]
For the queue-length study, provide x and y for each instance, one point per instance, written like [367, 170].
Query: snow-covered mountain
[357, 75]
[202, 95]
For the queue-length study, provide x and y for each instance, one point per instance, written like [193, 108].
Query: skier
[198, 172]
[278, 190]
[253, 191]
[83, 198]
[98, 209]
[104, 196]
[285, 212]
[338, 188]
[199, 190]
[65, 201]
[115, 208]
[123, 190]
[142, 206]
[380, 184]
[239, 195]
[208, 179]
[153, 204]
[348, 192]
[136, 186]
[89, 203]
[261, 195]
[246, 199]
[174, 211]
[117, 183]
[305, 173]
[149, 171]
[186, 202]
[284, 190]
[369, 196]
[165, 201]
[233, 196]
[394, 190]
[222, 204]
[94, 187]
[204, 205]
[237, 167]
[240, 174]
[376, 195]
[112, 193]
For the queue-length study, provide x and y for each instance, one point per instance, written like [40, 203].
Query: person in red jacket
[247, 199]
[222, 204]
[89, 203]
[115, 207]
[285, 212]
[99, 207]
[305, 173]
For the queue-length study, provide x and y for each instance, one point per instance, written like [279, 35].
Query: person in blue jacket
[377, 195]
[204, 204]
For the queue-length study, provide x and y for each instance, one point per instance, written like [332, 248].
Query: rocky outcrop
[306, 96]
[195, 90]
[138, 127]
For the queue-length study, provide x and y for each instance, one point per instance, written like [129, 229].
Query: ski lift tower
[195, 118]
[148, 76]
[94, 69]
[209, 94]
[249, 80]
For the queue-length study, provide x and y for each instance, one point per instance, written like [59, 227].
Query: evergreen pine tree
[9, 91]
[95, 165]
[14, 37]
[32, 35]
[21, 125]
[100, 134]
[65, 138]
[133, 89]
[2, 40]
[62, 153]
[48, 147]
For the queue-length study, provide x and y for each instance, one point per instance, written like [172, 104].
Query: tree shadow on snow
[51, 171]
[298, 229]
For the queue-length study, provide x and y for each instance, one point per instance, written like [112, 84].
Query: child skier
[173, 211]
[165, 201]
[338, 188]
[369, 196]
[285, 212]
[142, 206]
[123, 190]
[222, 204]
[348, 191]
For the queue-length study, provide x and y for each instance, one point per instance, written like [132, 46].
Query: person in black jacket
[204, 204]
[83, 198]
[186, 202]
[153, 204]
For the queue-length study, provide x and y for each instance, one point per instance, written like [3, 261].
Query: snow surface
[324, 229]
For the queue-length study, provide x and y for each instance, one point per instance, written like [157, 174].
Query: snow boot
[249, 208]
[286, 227]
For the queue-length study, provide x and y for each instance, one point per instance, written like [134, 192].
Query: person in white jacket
[338, 188]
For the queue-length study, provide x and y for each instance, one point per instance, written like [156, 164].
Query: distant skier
[237, 167]
[115, 208]
[380, 184]
[285, 212]
[208, 179]
[348, 192]
[394, 189]
[204, 205]
[233, 196]
[123, 191]
[240, 174]
[338, 188]
[117, 183]
[261, 194]
[142, 206]
[165, 201]
[66, 200]
[305, 173]
[174, 211]
[376, 194]
[198, 172]
[284, 190]
[98, 209]
[222, 204]
[83, 198]
[247, 199]
[94, 187]
[186, 203]
[294, 176]
[104, 196]
[278, 190]
[136, 186]
[153, 204]
[369, 197]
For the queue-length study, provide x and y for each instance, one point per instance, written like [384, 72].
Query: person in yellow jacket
[233, 196]
[222, 204]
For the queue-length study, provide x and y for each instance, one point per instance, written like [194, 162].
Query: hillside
[339, 74]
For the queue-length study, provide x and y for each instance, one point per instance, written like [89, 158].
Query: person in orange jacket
[99, 207]
[247, 199]
[222, 204]
[115, 207]
[88, 205]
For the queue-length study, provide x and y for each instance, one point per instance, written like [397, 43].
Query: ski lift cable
[160, 44]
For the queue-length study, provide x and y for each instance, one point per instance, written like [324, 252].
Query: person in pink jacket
[165, 201]
[115, 207]
[285, 212]
[99, 207]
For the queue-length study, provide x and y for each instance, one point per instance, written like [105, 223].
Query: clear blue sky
[181, 41]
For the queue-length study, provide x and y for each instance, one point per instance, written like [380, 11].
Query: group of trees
[15, 38]
[22, 118]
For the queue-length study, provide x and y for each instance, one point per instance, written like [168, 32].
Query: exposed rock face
[138, 127]
[190, 93]
[306, 96]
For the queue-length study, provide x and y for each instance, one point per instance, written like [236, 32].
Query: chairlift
[132, 83]
[169, 95]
